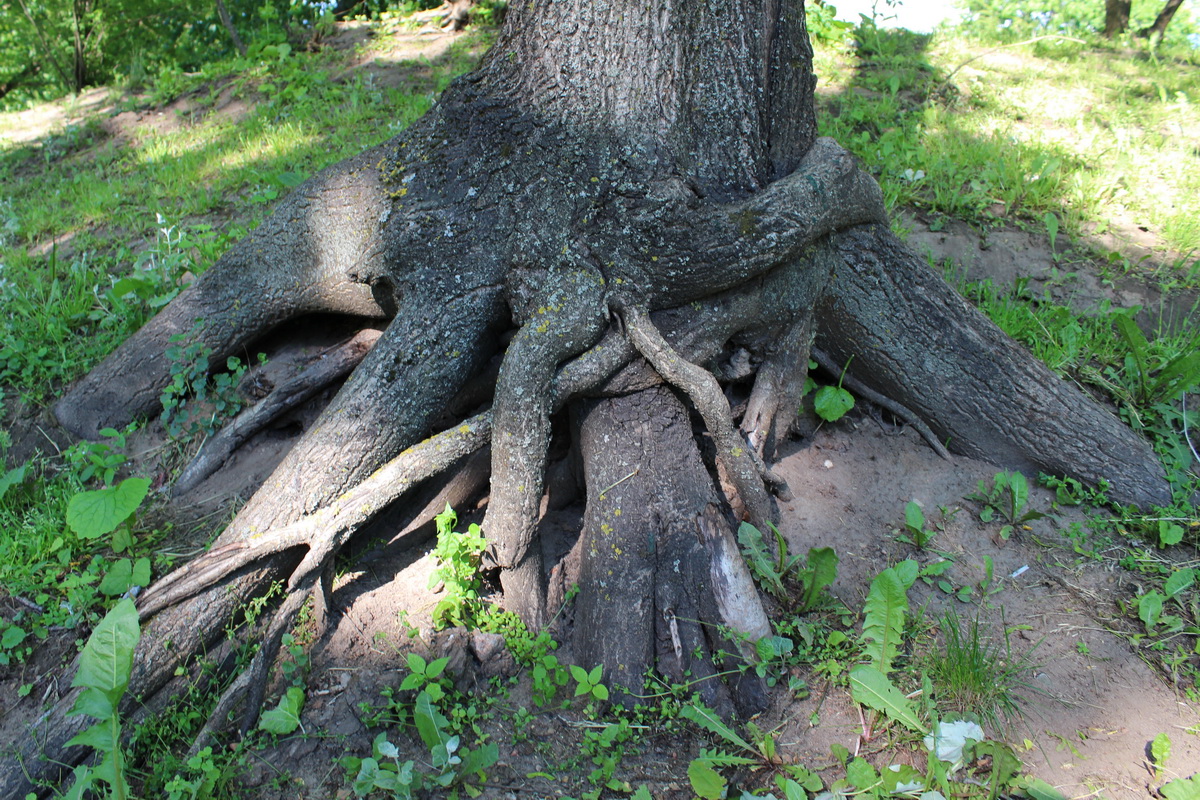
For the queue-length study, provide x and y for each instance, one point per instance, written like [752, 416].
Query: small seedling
[1007, 496]
[832, 402]
[915, 532]
[589, 682]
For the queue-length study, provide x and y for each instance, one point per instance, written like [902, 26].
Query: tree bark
[1159, 28]
[1116, 17]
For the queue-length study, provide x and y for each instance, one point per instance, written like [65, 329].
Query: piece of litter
[1019, 572]
[828, 464]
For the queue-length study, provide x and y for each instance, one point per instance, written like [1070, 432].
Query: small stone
[828, 464]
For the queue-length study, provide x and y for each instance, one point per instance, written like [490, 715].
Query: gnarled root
[330, 367]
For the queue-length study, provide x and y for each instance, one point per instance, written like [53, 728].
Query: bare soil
[1090, 708]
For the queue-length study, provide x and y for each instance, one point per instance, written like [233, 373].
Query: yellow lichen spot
[736, 452]
[616, 512]
[617, 550]
[464, 429]
[606, 528]
[595, 179]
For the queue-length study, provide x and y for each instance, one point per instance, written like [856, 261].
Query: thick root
[917, 341]
[329, 368]
[561, 322]
[655, 594]
[747, 474]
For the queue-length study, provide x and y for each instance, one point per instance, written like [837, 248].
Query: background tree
[638, 196]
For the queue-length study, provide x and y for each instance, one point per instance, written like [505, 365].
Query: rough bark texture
[1116, 16]
[627, 184]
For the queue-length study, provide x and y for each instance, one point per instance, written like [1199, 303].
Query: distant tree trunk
[1159, 28]
[31, 70]
[1116, 17]
[227, 22]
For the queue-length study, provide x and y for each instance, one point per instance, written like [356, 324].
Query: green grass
[974, 675]
[103, 201]
[1104, 138]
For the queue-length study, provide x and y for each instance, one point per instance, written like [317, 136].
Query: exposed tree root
[661, 585]
[330, 367]
[858, 387]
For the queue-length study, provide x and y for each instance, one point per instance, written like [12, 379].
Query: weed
[105, 664]
[973, 675]
[772, 569]
[458, 556]
[832, 402]
[1008, 496]
[195, 402]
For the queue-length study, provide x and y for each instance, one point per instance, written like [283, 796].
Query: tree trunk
[1159, 28]
[1116, 17]
[639, 190]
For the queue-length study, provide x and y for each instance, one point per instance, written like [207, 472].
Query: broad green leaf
[93, 703]
[285, 717]
[1183, 789]
[98, 737]
[479, 759]
[707, 718]
[431, 725]
[871, 688]
[1179, 581]
[12, 637]
[883, 622]
[908, 571]
[821, 572]
[416, 664]
[706, 781]
[832, 402]
[579, 673]
[141, 572]
[1150, 607]
[95, 513]
[436, 668]
[12, 478]
[600, 691]
[860, 773]
[596, 674]
[1160, 750]
[1169, 533]
[364, 782]
[914, 517]
[107, 659]
[118, 579]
